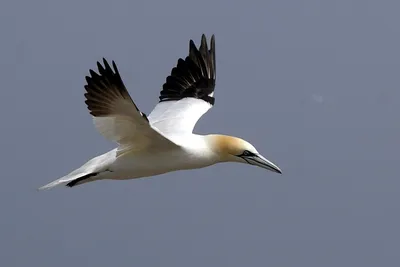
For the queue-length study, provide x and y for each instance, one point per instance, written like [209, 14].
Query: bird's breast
[148, 164]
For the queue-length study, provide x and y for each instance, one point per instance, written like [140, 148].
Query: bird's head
[233, 149]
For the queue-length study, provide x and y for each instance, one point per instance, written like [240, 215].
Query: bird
[163, 141]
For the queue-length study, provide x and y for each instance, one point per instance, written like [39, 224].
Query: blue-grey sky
[313, 84]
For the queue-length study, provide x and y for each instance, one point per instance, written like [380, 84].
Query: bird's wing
[116, 116]
[188, 92]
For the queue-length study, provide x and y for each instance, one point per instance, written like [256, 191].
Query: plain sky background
[313, 84]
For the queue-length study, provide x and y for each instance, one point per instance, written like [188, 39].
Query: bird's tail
[70, 180]
[90, 171]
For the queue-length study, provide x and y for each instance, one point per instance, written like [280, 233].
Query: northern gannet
[164, 141]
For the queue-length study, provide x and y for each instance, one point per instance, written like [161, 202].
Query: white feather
[178, 117]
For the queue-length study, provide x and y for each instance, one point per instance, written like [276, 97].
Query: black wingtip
[193, 77]
[203, 45]
[107, 67]
[212, 52]
[115, 67]
[100, 68]
[192, 45]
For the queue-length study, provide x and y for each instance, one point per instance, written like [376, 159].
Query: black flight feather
[193, 77]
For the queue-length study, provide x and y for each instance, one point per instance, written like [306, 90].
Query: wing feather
[188, 92]
[178, 117]
[116, 116]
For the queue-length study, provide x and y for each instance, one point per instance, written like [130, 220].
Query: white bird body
[194, 153]
[164, 141]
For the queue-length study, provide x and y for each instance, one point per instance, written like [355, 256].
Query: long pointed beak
[262, 162]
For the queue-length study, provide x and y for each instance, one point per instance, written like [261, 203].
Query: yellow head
[233, 149]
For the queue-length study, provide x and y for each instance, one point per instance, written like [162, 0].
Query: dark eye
[247, 153]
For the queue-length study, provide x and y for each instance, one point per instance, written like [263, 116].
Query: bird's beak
[262, 162]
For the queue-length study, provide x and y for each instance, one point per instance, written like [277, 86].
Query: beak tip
[264, 163]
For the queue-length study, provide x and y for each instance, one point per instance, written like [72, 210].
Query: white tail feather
[95, 165]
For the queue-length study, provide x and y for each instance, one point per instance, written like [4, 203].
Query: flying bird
[163, 141]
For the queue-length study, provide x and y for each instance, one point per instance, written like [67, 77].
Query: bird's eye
[247, 153]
